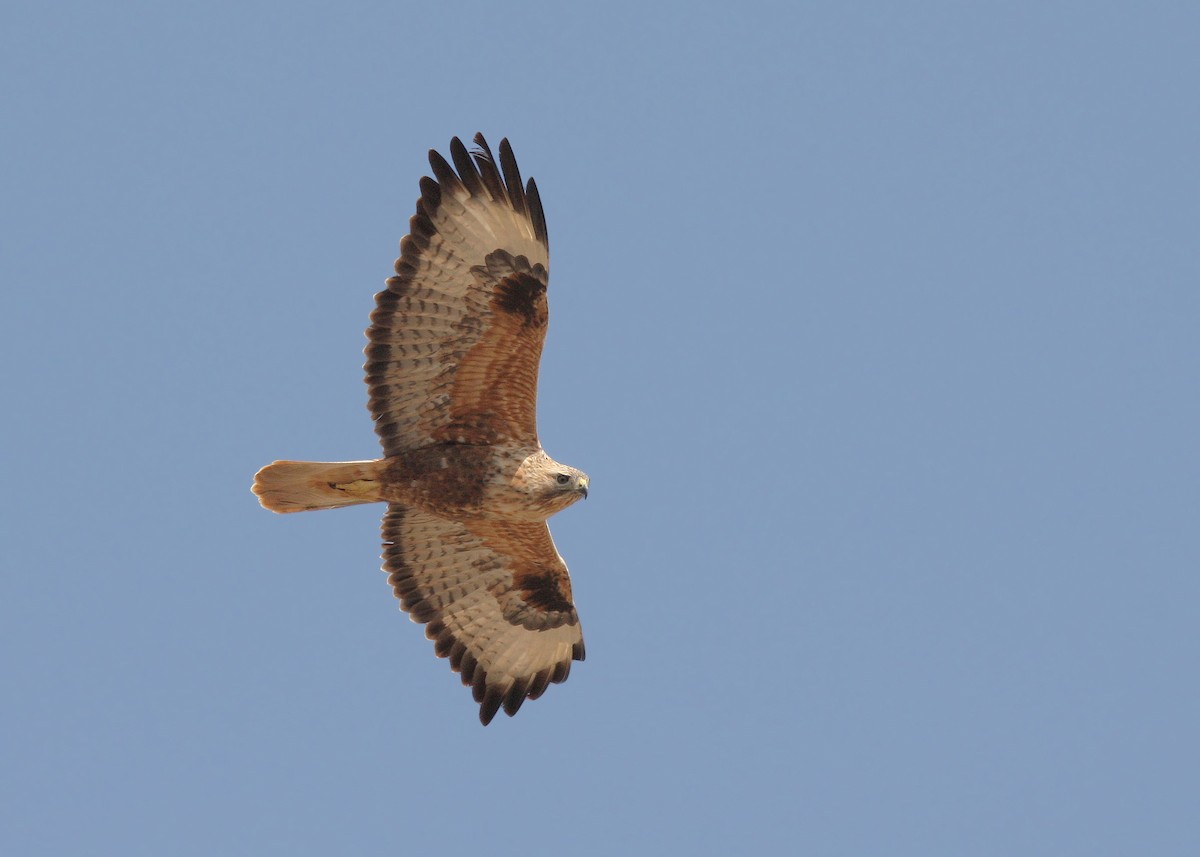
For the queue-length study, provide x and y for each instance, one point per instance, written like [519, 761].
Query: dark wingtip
[442, 170]
[490, 704]
[536, 214]
[479, 172]
[466, 166]
[512, 178]
[485, 162]
[515, 696]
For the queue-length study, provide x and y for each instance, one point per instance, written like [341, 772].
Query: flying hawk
[451, 368]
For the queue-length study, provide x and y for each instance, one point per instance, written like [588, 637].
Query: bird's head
[551, 486]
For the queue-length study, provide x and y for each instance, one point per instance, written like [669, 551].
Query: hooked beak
[583, 486]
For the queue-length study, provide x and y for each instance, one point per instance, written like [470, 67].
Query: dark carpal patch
[523, 295]
[541, 590]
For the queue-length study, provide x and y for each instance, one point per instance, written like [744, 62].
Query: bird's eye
[563, 479]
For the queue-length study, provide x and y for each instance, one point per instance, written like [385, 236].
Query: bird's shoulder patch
[524, 295]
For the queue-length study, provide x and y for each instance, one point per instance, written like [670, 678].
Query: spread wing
[495, 598]
[456, 337]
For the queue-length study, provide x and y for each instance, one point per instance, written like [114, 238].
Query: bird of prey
[451, 367]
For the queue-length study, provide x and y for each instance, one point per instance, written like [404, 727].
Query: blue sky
[875, 326]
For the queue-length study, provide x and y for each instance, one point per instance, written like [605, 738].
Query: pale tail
[299, 486]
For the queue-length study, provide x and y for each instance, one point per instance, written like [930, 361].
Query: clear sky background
[877, 326]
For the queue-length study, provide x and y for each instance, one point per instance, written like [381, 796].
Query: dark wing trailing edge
[452, 354]
[495, 598]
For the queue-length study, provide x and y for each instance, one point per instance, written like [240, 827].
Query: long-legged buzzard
[451, 367]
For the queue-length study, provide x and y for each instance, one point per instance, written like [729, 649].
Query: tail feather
[299, 486]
